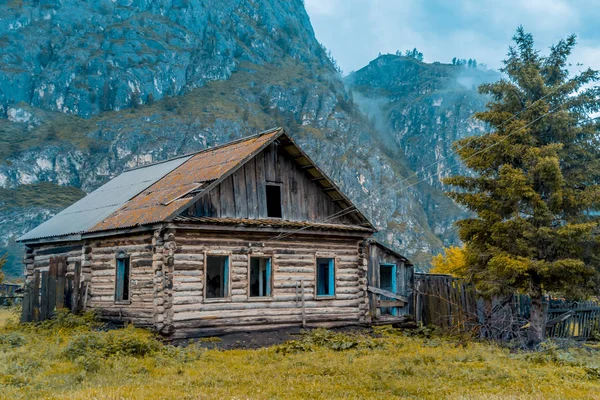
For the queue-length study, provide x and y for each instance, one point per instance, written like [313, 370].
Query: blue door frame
[392, 288]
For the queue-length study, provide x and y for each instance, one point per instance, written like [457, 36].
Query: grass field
[71, 358]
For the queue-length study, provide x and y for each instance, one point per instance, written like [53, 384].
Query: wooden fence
[448, 302]
[444, 301]
[52, 289]
[578, 320]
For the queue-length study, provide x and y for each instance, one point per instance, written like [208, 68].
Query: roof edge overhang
[93, 235]
[331, 182]
[389, 250]
[269, 230]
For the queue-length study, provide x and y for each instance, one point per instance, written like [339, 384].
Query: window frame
[280, 185]
[332, 276]
[227, 297]
[122, 255]
[270, 278]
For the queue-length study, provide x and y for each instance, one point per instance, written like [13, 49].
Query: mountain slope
[422, 109]
[89, 89]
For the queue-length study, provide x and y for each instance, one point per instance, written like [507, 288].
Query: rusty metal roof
[270, 222]
[166, 196]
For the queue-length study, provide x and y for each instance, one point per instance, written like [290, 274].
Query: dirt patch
[256, 340]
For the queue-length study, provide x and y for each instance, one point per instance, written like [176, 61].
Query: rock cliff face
[422, 109]
[88, 89]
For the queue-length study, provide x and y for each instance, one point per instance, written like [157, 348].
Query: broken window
[217, 277]
[325, 277]
[274, 201]
[122, 280]
[260, 277]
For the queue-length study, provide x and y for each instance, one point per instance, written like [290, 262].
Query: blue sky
[357, 30]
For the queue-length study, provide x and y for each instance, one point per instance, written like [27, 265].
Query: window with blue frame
[217, 277]
[260, 277]
[325, 277]
[122, 278]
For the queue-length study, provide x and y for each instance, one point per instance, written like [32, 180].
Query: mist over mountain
[88, 89]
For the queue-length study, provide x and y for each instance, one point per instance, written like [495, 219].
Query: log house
[250, 235]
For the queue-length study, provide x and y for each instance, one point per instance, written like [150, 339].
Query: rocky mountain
[422, 109]
[88, 89]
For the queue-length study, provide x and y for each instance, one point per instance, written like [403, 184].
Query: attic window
[274, 201]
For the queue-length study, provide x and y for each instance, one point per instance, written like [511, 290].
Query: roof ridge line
[191, 154]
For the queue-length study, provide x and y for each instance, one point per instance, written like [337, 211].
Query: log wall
[167, 271]
[140, 308]
[293, 261]
[38, 257]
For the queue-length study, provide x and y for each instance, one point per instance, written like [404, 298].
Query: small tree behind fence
[451, 303]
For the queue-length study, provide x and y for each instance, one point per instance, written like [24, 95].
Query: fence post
[26, 311]
[76, 288]
[44, 297]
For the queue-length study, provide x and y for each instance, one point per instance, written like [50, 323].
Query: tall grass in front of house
[8, 314]
[74, 357]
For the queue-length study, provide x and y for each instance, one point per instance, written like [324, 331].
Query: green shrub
[327, 339]
[64, 319]
[11, 340]
[593, 371]
[84, 344]
[89, 363]
[121, 342]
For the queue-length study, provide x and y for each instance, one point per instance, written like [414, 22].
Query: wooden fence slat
[76, 286]
[44, 296]
[51, 299]
[35, 304]
[26, 311]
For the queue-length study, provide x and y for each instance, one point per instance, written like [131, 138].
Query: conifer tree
[535, 189]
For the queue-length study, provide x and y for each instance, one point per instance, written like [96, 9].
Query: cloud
[356, 30]
[323, 7]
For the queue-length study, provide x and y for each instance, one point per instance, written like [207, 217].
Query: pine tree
[535, 192]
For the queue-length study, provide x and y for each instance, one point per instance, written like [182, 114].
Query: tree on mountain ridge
[536, 192]
[414, 53]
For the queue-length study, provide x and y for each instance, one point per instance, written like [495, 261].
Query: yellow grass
[53, 362]
[5, 315]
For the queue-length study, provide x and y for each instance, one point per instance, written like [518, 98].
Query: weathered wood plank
[251, 188]
[386, 293]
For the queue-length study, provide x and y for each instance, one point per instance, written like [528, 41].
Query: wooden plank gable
[303, 198]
